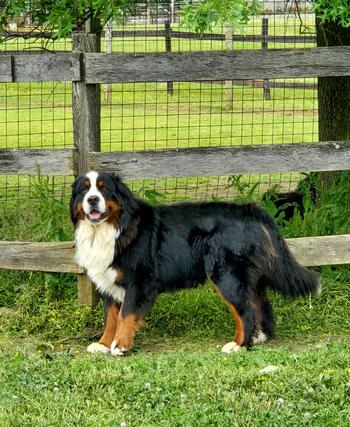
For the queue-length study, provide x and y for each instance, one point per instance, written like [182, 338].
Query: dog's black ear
[75, 192]
[123, 194]
[129, 205]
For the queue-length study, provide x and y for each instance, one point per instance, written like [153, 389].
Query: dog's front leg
[111, 318]
[127, 326]
[137, 304]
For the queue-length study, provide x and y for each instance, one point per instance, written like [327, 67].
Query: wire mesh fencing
[145, 116]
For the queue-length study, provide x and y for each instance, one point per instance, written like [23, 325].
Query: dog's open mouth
[96, 216]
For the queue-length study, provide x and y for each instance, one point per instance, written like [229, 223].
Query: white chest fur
[94, 252]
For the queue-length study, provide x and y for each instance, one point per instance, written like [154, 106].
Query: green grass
[144, 116]
[184, 388]
[176, 376]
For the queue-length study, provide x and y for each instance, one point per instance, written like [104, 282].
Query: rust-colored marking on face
[126, 330]
[110, 325]
[239, 337]
[114, 210]
[79, 212]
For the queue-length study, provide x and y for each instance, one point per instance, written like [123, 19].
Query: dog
[289, 203]
[133, 251]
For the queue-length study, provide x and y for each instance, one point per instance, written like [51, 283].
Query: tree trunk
[333, 97]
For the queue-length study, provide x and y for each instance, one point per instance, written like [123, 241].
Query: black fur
[169, 247]
[289, 203]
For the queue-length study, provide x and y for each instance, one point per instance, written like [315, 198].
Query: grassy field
[176, 376]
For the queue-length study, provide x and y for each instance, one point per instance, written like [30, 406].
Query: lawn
[176, 376]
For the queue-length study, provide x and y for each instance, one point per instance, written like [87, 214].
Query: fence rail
[184, 162]
[59, 257]
[95, 68]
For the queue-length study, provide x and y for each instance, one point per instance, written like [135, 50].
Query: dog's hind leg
[267, 322]
[265, 319]
[242, 310]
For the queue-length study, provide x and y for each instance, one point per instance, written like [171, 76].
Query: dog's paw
[230, 347]
[116, 351]
[259, 338]
[96, 347]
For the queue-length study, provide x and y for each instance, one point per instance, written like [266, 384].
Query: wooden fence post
[86, 106]
[264, 45]
[109, 49]
[167, 32]
[229, 83]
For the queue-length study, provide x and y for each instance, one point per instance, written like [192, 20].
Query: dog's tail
[285, 275]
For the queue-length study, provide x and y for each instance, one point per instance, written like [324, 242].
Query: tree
[61, 17]
[333, 29]
[203, 15]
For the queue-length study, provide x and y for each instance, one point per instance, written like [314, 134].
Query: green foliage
[205, 15]
[63, 16]
[246, 191]
[51, 212]
[337, 11]
[329, 215]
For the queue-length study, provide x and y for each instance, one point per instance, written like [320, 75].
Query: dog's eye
[101, 186]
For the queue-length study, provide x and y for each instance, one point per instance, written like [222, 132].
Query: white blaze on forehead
[93, 191]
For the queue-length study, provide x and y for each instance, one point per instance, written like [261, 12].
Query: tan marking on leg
[239, 337]
[110, 326]
[125, 333]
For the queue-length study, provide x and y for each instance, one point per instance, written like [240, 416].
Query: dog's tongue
[95, 215]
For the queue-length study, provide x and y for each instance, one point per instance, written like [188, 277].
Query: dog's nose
[93, 200]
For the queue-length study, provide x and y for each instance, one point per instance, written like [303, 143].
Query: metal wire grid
[32, 115]
[144, 116]
[148, 116]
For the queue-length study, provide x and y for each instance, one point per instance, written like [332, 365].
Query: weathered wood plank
[302, 157]
[297, 157]
[86, 106]
[47, 67]
[321, 250]
[53, 257]
[87, 293]
[209, 66]
[5, 69]
[58, 257]
[29, 162]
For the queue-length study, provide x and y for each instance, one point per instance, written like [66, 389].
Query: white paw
[259, 338]
[230, 347]
[96, 347]
[116, 351]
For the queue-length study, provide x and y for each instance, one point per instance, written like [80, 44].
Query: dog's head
[102, 197]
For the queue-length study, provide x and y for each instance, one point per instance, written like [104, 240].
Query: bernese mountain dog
[133, 251]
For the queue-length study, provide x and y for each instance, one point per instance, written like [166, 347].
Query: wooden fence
[87, 70]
